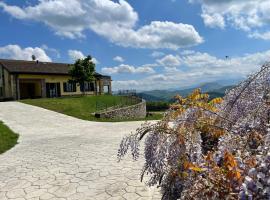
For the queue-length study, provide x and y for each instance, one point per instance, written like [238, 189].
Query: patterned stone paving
[62, 158]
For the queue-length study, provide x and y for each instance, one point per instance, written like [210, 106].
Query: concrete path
[62, 158]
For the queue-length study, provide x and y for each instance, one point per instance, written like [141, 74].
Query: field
[82, 107]
[8, 139]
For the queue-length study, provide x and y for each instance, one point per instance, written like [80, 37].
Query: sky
[143, 45]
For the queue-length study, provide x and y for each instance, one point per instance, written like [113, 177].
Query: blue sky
[143, 45]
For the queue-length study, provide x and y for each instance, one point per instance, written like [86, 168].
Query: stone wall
[130, 112]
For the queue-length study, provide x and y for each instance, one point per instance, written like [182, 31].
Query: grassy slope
[80, 107]
[8, 138]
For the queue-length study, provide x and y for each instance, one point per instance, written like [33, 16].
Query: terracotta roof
[37, 67]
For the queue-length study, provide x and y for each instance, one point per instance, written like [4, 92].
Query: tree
[82, 71]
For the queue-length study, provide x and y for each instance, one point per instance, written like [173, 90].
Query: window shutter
[74, 87]
[65, 87]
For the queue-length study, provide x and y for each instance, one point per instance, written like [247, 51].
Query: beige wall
[56, 79]
[10, 85]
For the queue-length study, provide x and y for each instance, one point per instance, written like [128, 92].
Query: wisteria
[216, 149]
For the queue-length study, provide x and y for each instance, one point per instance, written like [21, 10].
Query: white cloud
[248, 15]
[187, 52]
[118, 59]
[70, 19]
[18, 53]
[157, 54]
[170, 70]
[52, 50]
[150, 65]
[122, 69]
[199, 67]
[257, 35]
[169, 61]
[75, 55]
[156, 35]
[214, 20]
[115, 21]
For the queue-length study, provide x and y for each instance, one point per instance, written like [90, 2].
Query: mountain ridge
[214, 89]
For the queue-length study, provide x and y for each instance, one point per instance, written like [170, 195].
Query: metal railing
[127, 93]
[123, 102]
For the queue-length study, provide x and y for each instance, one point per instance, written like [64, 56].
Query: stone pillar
[110, 87]
[96, 87]
[18, 95]
[100, 86]
[14, 87]
[43, 88]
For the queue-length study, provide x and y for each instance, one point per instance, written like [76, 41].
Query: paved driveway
[60, 157]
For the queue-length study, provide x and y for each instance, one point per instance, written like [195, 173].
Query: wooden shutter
[65, 87]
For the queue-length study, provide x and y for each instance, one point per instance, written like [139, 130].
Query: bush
[210, 150]
[157, 106]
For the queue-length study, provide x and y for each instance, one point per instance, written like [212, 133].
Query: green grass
[8, 138]
[82, 107]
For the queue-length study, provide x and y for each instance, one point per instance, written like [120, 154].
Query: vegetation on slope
[82, 107]
[213, 89]
[8, 138]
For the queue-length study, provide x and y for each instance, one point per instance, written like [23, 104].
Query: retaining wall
[130, 112]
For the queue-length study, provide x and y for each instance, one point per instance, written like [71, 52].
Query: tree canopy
[83, 70]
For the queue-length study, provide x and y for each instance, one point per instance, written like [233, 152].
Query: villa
[21, 79]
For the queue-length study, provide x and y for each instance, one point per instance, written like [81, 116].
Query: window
[69, 87]
[106, 89]
[88, 87]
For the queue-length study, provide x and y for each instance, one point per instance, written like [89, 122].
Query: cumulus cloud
[157, 54]
[156, 35]
[115, 21]
[247, 15]
[118, 59]
[16, 52]
[75, 55]
[54, 51]
[263, 35]
[200, 67]
[128, 69]
[169, 61]
[214, 20]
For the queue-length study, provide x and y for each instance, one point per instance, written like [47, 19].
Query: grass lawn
[82, 107]
[8, 138]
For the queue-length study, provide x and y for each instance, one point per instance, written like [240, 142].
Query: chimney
[33, 57]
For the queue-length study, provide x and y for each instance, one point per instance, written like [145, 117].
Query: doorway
[30, 89]
[53, 90]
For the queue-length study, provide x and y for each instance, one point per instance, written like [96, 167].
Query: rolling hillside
[213, 89]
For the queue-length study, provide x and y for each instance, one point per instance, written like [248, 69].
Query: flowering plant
[216, 149]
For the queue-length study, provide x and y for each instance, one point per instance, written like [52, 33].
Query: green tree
[82, 71]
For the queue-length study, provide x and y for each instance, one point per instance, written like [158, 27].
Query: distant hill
[219, 92]
[213, 89]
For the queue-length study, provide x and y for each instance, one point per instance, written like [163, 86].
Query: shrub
[210, 150]
[157, 106]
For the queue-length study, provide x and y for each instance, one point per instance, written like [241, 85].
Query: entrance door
[28, 90]
[53, 90]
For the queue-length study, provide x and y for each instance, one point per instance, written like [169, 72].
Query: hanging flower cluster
[216, 149]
